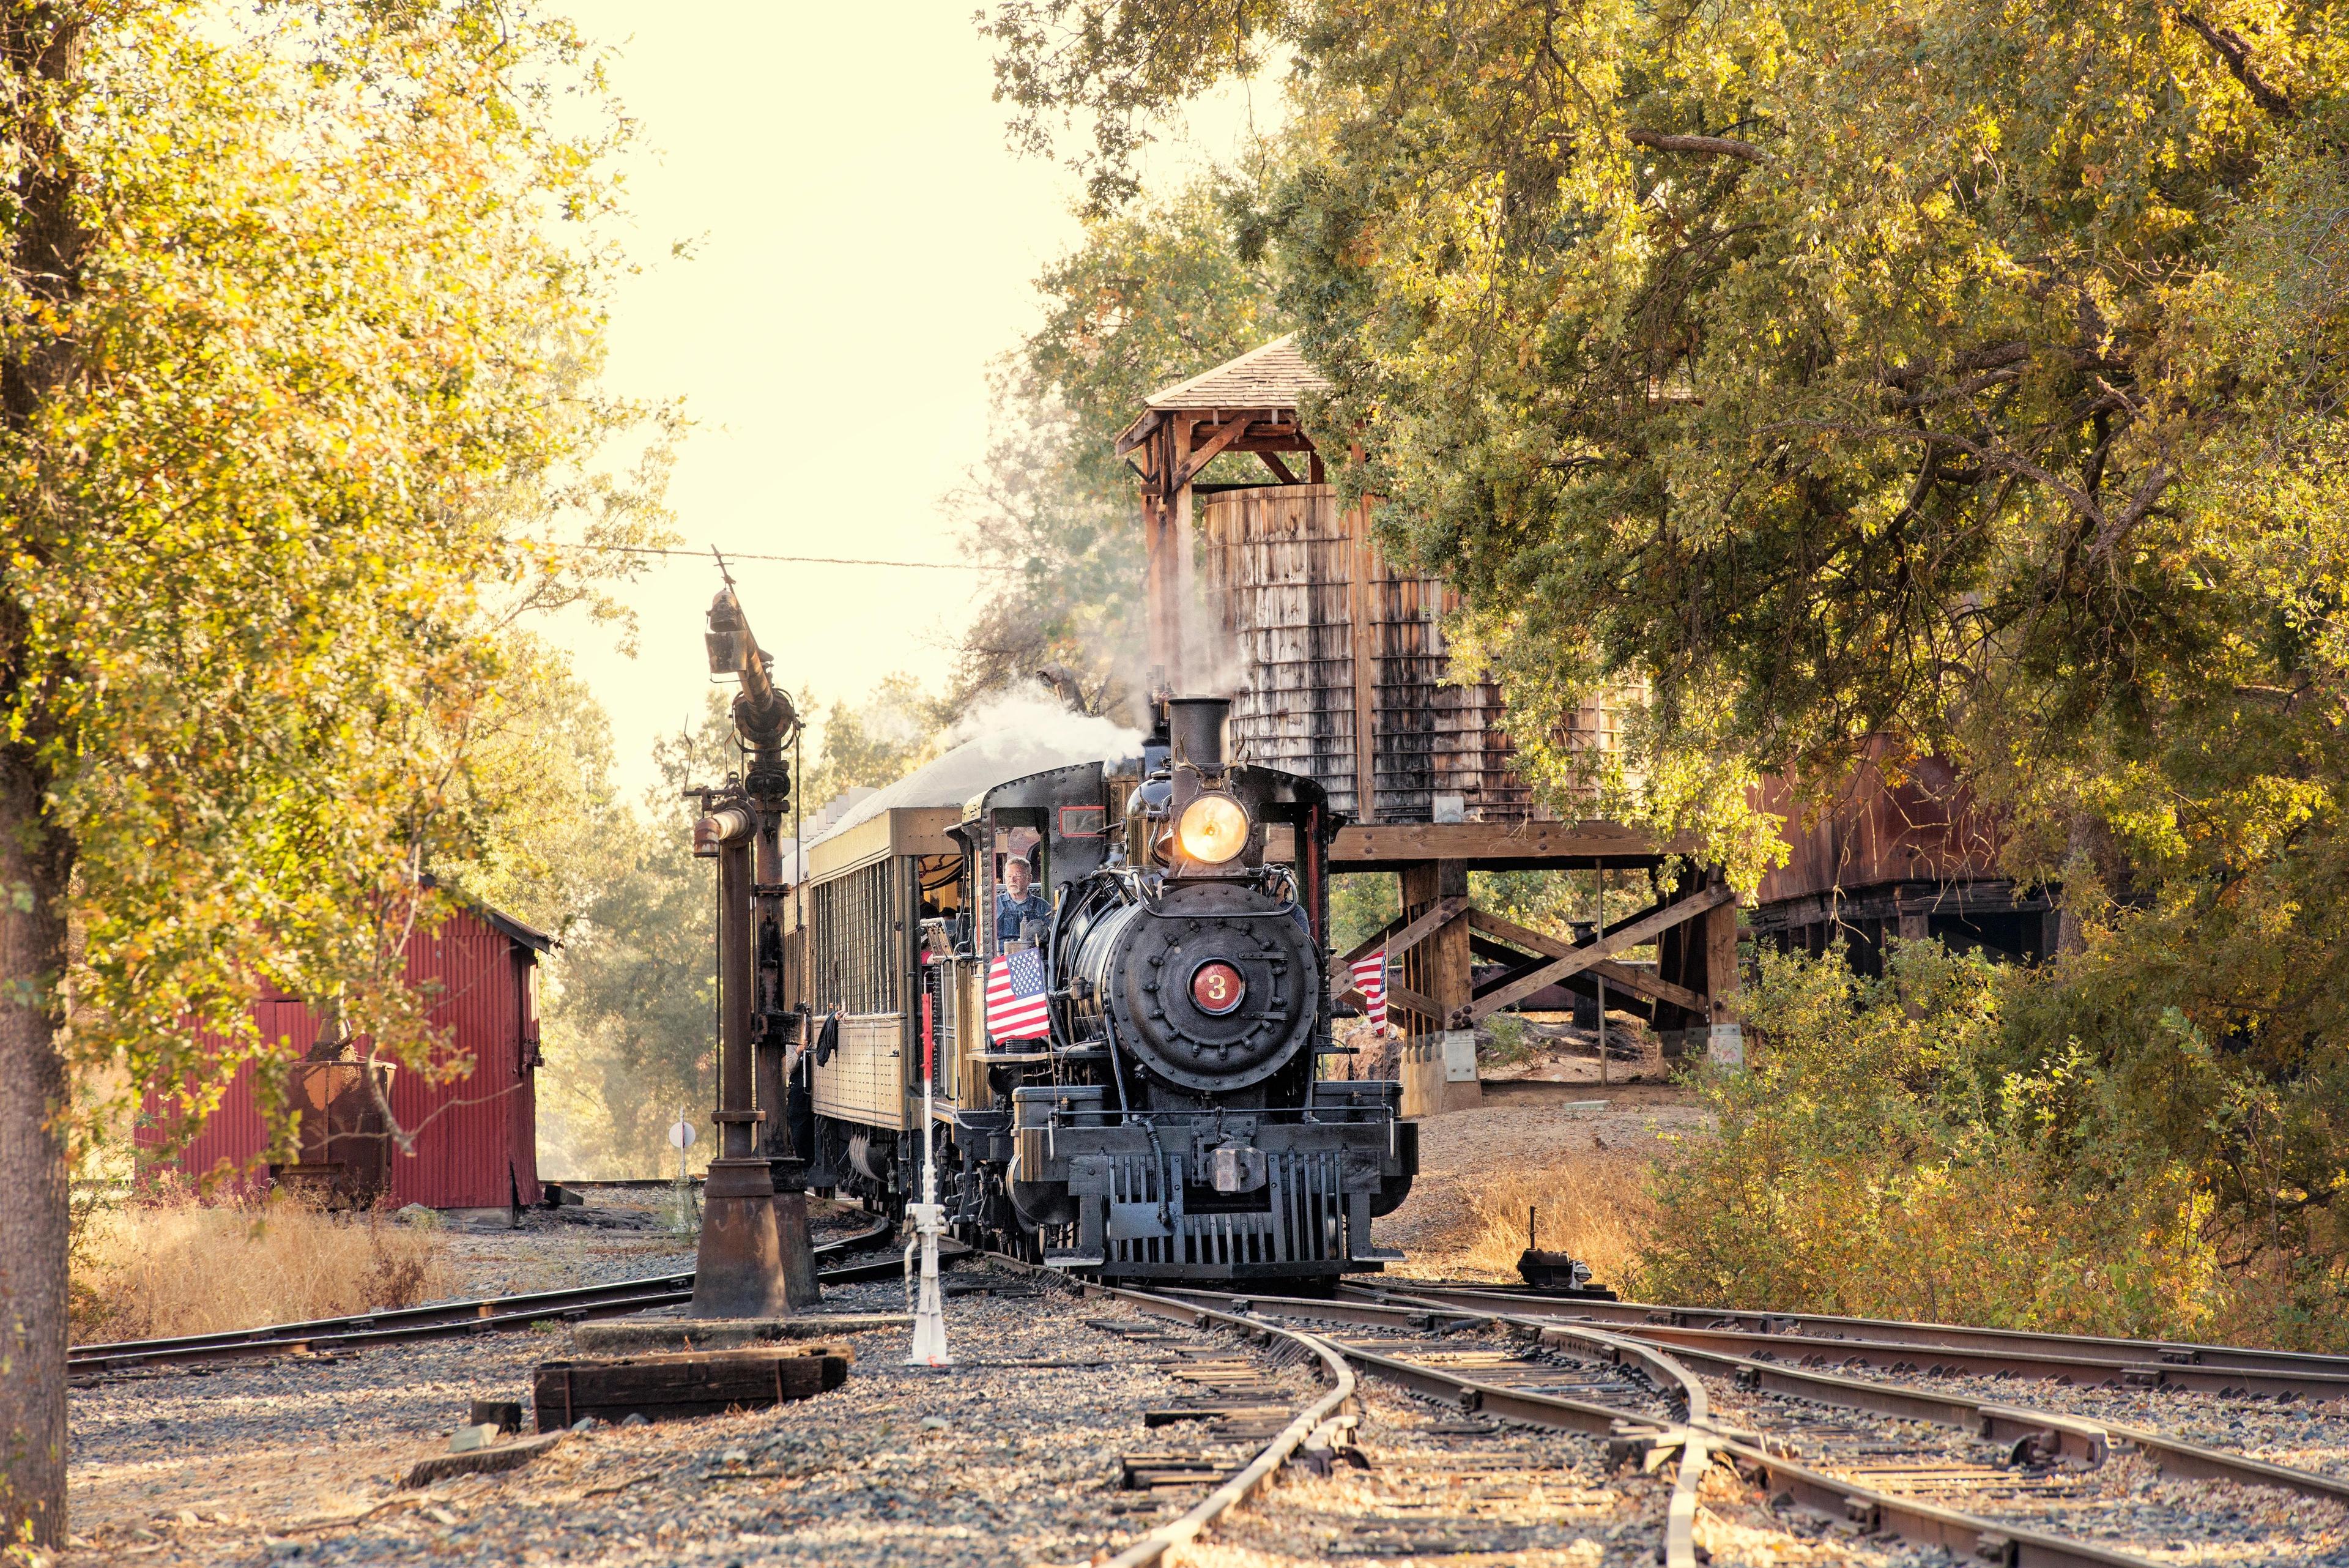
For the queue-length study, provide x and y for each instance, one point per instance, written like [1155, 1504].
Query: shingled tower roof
[1273, 377]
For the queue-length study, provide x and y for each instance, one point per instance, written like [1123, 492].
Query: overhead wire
[795, 560]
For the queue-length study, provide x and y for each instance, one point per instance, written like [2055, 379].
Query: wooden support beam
[1618, 940]
[1442, 913]
[1364, 844]
[1272, 461]
[1364, 609]
[1720, 964]
[1177, 604]
[1196, 462]
[1140, 431]
[1637, 980]
[1418, 1003]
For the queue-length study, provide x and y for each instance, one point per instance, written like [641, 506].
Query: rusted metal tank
[342, 1149]
[1899, 851]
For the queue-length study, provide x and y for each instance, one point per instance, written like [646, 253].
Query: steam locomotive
[1146, 1094]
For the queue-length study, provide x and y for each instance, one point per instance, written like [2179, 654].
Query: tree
[873, 744]
[1149, 297]
[630, 1021]
[297, 317]
[1953, 377]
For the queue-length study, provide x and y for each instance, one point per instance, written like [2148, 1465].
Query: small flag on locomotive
[1018, 1004]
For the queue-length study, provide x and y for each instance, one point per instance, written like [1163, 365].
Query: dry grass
[1593, 1206]
[176, 1266]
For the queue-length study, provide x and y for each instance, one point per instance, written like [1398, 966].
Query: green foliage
[1504, 1042]
[1119, 70]
[874, 744]
[630, 1013]
[1955, 378]
[629, 1019]
[1361, 902]
[1878, 1160]
[536, 788]
[282, 444]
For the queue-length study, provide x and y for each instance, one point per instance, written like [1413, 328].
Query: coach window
[937, 886]
[1017, 884]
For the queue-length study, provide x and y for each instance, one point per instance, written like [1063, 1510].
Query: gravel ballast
[1011, 1455]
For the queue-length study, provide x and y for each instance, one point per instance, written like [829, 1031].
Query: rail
[443, 1319]
[1926, 1523]
[1825, 1331]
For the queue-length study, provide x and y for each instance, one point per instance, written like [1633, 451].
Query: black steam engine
[1120, 985]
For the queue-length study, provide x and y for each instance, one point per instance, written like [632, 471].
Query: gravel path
[1011, 1456]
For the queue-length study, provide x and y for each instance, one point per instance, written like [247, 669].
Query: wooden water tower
[1272, 593]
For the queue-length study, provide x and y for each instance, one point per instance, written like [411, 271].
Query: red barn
[476, 1137]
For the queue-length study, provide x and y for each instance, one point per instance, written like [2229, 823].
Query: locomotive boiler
[1117, 973]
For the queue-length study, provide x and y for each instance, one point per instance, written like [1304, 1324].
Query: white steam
[1019, 723]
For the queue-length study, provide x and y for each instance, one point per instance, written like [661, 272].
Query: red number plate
[1216, 987]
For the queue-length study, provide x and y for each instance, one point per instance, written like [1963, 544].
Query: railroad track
[1472, 1458]
[2224, 1369]
[441, 1319]
[1992, 1480]
[2001, 1483]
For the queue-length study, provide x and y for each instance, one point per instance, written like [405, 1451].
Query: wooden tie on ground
[1235, 1404]
[491, 1460]
[677, 1387]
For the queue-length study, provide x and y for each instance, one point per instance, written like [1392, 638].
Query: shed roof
[1273, 377]
[513, 930]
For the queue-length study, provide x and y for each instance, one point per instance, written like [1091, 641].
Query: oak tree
[299, 321]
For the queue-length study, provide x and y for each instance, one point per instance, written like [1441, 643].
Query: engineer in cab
[1018, 900]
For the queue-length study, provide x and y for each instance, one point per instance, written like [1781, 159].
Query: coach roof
[1054, 739]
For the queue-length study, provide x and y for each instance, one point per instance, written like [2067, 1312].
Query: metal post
[739, 1271]
[928, 1216]
[787, 1167]
[1599, 934]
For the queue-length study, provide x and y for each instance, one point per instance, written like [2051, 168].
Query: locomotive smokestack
[1194, 728]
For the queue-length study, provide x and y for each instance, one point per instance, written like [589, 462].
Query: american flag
[1018, 1007]
[1371, 979]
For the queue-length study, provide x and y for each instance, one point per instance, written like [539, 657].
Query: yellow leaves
[336, 352]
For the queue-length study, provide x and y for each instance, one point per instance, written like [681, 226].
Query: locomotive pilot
[1018, 899]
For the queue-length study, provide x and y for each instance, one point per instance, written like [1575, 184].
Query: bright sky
[864, 246]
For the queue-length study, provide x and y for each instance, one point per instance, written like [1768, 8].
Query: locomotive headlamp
[1212, 829]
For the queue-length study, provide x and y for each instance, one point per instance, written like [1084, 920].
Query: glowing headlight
[1212, 829]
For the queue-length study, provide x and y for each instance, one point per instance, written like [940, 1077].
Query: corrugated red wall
[476, 1137]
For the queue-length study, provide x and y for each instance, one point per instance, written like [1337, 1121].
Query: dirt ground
[1571, 1139]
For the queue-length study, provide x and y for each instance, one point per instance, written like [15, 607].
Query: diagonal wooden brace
[1399, 938]
[1638, 982]
[1622, 938]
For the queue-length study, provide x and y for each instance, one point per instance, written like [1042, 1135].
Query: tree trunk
[42, 45]
[2089, 873]
[33, 1218]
